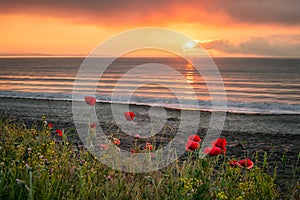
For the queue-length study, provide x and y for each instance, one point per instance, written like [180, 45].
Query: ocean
[252, 85]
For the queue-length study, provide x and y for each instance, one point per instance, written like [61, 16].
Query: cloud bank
[120, 11]
[277, 45]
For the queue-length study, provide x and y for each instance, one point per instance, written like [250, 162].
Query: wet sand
[246, 134]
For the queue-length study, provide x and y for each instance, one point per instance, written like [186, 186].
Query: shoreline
[146, 105]
[61, 112]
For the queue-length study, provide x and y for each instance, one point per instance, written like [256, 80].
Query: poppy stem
[135, 143]
[283, 159]
[31, 185]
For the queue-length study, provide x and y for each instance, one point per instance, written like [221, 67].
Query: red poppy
[247, 163]
[221, 143]
[93, 125]
[50, 125]
[116, 141]
[90, 100]
[129, 116]
[212, 151]
[137, 136]
[132, 151]
[148, 146]
[191, 145]
[59, 133]
[195, 138]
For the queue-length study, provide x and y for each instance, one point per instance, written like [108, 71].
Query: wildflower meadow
[43, 163]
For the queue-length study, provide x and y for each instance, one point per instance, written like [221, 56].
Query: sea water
[251, 85]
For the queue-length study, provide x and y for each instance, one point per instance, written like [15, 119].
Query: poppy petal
[148, 146]
[93, 125]
[59, 133]
[116, 141]
[191, 145]
[195, 138]
[246, 163]
[220, 142]
[137, 136]
[129, 116]
[212, 151]
[90, 100]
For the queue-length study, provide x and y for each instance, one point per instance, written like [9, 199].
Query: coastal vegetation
[42, 163]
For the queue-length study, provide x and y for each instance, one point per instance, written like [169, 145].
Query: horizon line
[136, 56]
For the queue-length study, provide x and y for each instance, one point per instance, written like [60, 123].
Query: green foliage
[61, 170]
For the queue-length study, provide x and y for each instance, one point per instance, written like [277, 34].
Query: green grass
[36, 165]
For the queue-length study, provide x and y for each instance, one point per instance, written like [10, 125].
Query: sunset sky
[224, 28]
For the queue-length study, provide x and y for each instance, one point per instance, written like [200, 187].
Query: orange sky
[234, 28]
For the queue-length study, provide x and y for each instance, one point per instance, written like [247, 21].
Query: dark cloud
[114, 11]
[90, 11]
[283, 46]
[93, 6]
[120, 11]
[262, 11]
